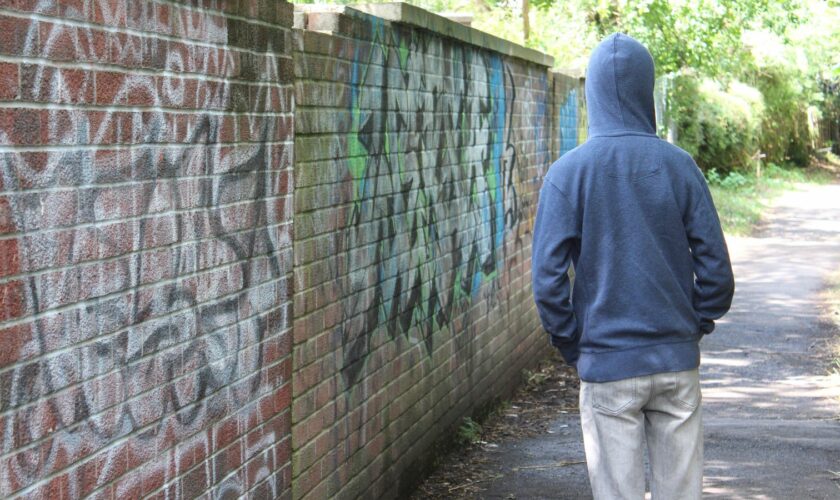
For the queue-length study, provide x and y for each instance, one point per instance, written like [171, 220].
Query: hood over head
[619, 87]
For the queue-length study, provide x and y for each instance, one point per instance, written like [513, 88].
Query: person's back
[634, 215]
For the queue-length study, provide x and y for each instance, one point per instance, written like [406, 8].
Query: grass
[742, 197]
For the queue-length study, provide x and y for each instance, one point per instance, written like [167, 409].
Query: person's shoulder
[677, 154]
[569, 165]
[679, 160]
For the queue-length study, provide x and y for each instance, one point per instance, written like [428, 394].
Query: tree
[703, 34]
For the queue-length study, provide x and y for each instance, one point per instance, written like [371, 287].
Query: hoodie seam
[643, 346]
[568, 202]
[615, 82]
[636, 178]
[623, 133]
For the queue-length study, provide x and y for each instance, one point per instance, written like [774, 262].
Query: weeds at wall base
[544, 393]
[469, 432]
[458, 439]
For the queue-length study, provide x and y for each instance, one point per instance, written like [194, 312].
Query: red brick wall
[145, 248]
[418, 159]
[153, 343]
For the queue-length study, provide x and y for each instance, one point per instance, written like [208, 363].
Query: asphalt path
[770, 408]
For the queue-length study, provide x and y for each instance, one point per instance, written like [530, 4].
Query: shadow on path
[770, 411]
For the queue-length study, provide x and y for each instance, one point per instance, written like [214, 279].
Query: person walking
[633, 215]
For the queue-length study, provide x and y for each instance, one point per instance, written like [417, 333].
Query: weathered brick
[224, 265]
[20, 36]
[20, 125]
[359, 231]
[9, 81]
[160, 242]
[12, 300]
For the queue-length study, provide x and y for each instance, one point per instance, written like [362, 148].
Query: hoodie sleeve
[714, 284]
[555, 231]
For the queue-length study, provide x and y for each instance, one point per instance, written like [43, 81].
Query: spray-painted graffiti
[437, 183]
[153, 307]
[568, 126]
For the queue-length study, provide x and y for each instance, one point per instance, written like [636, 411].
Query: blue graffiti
[568, 122]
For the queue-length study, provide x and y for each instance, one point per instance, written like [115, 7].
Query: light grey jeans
[619, 417]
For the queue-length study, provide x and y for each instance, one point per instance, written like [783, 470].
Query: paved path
[770, 412]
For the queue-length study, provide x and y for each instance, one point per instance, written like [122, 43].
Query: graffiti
[568, 126]
[156, 305]
[146, 232]
[436, 201]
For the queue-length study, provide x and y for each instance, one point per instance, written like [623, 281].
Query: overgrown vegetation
[720, 126]
[469, 432]
[740, 197]
[463, 462]
[745, 78]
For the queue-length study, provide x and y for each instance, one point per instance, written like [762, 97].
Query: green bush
[780, 72]
[733, 180]
[713, 177]
[720, 126]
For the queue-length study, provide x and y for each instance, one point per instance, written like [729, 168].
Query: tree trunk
[526, 28]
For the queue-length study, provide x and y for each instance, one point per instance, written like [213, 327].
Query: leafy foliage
[764, 70]
[469, 432]
[719, 126]
[703, 34]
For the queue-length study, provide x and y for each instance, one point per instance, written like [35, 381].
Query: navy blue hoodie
[634, 215]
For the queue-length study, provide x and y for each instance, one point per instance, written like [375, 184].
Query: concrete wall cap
[401, 12]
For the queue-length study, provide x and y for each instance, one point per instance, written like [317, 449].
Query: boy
[634, 215]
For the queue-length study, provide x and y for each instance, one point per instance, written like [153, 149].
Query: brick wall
[418, 158]
[568, 113]
[153, 343]
[145, 235]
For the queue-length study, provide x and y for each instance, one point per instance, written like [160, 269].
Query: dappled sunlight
[813, 223]
[746, 457]
[739, 492]
[818, 393]
[727, 361]
[770, 405]
[720, 481]
[763, 358]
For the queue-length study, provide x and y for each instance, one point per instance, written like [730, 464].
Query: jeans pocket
[614, 397]
[685, 389]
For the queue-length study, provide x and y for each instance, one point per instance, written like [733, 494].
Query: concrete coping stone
[401, 12]
[577, 73]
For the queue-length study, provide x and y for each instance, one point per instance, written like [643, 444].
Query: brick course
[145, 233]
[417, 163]
[251, 249]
